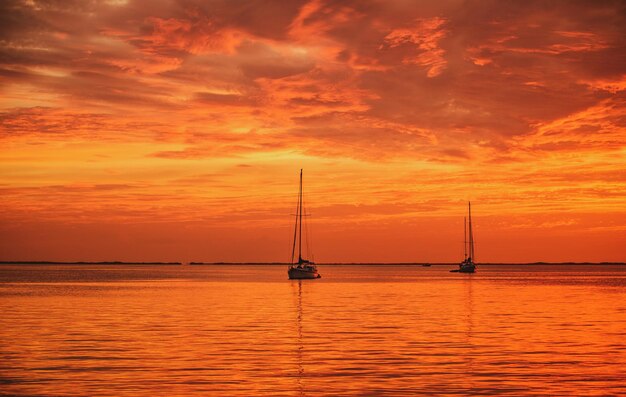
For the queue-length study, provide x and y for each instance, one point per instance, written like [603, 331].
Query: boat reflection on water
[469, 335]
[299, 343]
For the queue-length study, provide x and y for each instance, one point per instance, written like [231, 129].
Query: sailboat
[467, 266]
[303, 269]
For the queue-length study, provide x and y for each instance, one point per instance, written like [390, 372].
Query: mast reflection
[299, 344]
[469, 338]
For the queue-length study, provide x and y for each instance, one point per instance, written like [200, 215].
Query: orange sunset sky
[155, 130]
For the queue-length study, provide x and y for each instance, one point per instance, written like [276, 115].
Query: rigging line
[310, 233]
[471, 232]
[309, 249]
[306, 232]
[464, 238]
[473, 247]
[295, 231]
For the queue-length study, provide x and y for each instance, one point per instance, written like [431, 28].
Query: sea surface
[371, 330]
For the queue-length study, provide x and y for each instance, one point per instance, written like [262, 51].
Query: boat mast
[471, 234]
[465, 237]
[295, 227]
[300, 220]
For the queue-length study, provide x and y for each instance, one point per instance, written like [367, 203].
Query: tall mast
[295, 231]
[464, 237]
[471, 234]
[300, 215]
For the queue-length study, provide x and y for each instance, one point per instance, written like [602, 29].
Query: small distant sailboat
[303, 269]
[467, 266]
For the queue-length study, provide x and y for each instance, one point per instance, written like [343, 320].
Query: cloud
[599, 127]
[59, 124]
[368, 67]
[425, 37]
[225, 99]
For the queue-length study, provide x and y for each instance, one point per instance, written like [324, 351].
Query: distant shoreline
[85, 263]
[286, 264]
[408, 263]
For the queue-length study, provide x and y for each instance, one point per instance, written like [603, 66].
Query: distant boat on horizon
[303, 268]
[467, 266]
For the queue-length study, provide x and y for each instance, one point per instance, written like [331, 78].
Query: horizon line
[179, 263]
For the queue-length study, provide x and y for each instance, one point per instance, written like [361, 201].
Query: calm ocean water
[122, 330]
